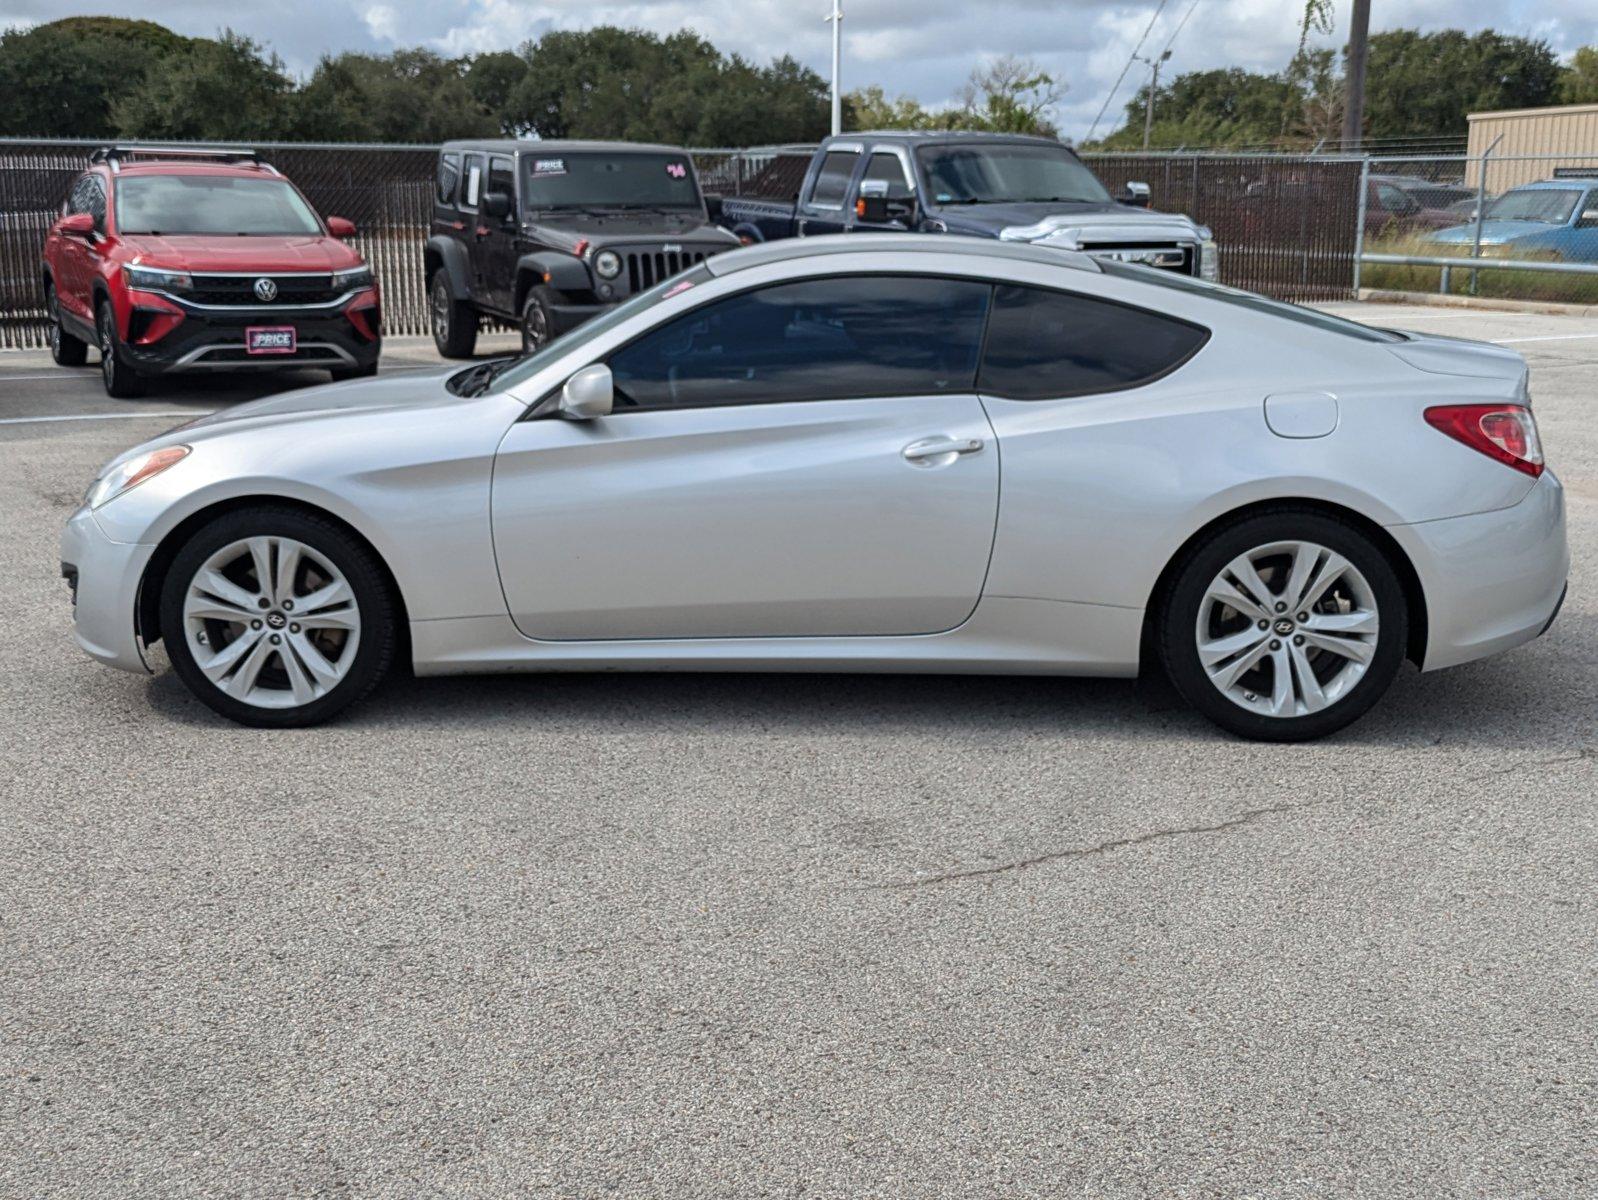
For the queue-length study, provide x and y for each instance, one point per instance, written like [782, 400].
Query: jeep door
[804, 458]
[493, 247]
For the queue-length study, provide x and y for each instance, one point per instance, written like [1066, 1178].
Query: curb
[1437, 300]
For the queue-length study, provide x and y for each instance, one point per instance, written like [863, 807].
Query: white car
[864, 453]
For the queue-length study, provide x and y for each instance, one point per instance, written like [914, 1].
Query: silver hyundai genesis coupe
[862, 453]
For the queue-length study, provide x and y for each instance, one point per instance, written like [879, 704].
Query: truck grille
[1164, 258]
[646, 268]
[292, 290]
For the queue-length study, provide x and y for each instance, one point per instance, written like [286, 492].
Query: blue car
[1556, 218]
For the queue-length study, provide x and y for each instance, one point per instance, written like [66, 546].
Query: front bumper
[212, 338]
[1492, 580]
[567, 317]
[106, 591]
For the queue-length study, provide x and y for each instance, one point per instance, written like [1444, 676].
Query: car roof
[537, 146]
[1575, 181]
[923, 137]
[945, 247]
[180, 167]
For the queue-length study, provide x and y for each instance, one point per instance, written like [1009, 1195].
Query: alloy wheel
[271, 622]
[535, 327]
[440, 311]
[108, 350]
[1287, 629]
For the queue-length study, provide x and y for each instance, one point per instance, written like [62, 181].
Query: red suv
[187, 260]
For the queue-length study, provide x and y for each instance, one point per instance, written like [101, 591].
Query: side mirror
[872, 204]
[1137, 194]
[341, 227]
[497, 205]
[588, 394]
[902, 210]
[713, 207]
[1589, 219]
[77, 224]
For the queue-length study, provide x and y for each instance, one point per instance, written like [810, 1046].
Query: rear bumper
[1492, 580]
[106, 591]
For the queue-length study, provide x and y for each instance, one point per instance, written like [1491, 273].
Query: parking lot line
[127, 416]
[1547, 337]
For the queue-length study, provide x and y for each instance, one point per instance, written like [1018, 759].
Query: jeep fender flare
[451, 256]
[564, 272]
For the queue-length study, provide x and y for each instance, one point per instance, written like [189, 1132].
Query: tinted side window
[1042, 345]
[886, 168]
[449, 177]
[817, 339]
[472, 181]
[833, 181]
[77, 198]
[95, 199]
[502, 176]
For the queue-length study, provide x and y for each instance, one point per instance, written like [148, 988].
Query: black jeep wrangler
[546, 234]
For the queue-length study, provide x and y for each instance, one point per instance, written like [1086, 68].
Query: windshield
[525, 368]
[1551, 206]
[608, 181]
[1248, 300]
[999, 174]
[217, 204]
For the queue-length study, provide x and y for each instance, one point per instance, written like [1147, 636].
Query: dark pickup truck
[1007, 186]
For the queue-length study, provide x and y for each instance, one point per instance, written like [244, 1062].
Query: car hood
[265, 254]
[564, 233]
[1492, 232]
[1119, 223]
[1441, 355]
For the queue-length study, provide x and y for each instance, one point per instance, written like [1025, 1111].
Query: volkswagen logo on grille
[266, 290]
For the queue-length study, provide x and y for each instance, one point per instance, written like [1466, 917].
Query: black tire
[377, 607]
[121, 381]
[65, 349]
[340, 374]
[538, 320]
[454, 321]
[1178, 626]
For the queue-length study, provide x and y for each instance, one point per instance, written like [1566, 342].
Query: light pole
[1154, 84]
[836, 17]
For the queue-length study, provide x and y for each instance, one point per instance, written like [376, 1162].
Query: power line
[1180, 25]
[1131, 58]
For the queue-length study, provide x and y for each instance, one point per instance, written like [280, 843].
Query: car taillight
[1507, 432]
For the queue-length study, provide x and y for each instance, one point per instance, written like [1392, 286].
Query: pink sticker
[677, 170]
[679, 289]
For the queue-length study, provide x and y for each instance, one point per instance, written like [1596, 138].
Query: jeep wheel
[538, 322]
[66, 350]
[454, 322]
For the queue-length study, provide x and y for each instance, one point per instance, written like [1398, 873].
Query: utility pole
[1154, 86]
[1354, 103]
[836, 18]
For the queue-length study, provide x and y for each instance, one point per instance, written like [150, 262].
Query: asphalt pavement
[820, 936]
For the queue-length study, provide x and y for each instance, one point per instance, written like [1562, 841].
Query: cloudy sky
[923, 48]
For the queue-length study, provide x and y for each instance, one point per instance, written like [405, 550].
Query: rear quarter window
[1045, 345]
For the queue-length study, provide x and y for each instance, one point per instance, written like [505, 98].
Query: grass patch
[1492, 283]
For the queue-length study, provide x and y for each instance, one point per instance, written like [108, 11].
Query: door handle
[940, 447]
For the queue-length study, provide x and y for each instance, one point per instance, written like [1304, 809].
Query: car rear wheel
[454, 321]
[1285, 626]
[121, 381]
[66, 350]
[275, 617]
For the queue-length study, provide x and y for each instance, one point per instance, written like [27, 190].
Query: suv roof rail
[115, 156]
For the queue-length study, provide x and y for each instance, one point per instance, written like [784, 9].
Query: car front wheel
[121, 381]
[538, 323]
[277, 617]
[1285, 626]
[454, 322]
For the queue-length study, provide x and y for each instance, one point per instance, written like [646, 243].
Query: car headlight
[1210, 262]
[153, 279]
[608, 264]
[130, 474]
[355, 277]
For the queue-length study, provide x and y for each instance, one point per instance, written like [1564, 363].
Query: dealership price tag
[270, 339]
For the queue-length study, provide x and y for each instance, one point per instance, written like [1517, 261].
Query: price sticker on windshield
[549, 166]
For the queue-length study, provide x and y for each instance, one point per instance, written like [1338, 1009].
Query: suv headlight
[153, 279]
[355, 277]
[130, 474]
[608, 264]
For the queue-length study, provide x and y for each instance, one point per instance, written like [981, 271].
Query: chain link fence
[1293, 227]
[1536, 238]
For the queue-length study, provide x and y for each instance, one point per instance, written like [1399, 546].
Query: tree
[1010, 95]
[1423, 84]
[62, 79]
[226, 89]
[870, 108]
[1229, 106]
[407, 96]
[1579, 83]
[492, 80]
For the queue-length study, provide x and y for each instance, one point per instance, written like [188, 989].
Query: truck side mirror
[873, 202]
[496, 205]
[903, 209]
[1137, 194]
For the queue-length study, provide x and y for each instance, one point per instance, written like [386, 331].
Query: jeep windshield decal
[988, 173]
[609, 181]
